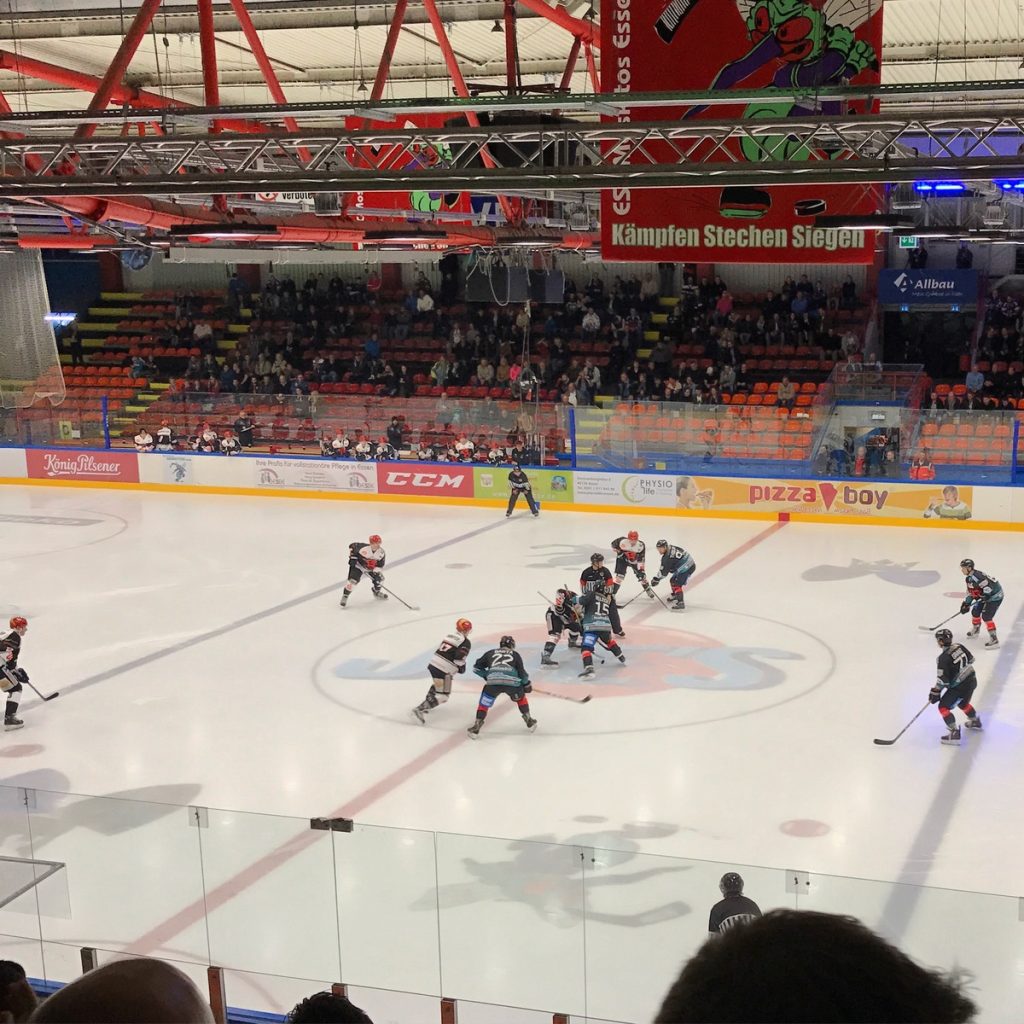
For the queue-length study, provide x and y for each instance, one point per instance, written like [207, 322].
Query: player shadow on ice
[561, 556]
[903, 574]
[56, 813]
[551, 879]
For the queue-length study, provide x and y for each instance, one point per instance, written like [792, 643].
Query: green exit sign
[908, 241]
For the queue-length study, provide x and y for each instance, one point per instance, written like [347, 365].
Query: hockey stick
[931, 629]
[563, 696]
[411, 607]
[889, 743]
[626, 604]
[56, 693]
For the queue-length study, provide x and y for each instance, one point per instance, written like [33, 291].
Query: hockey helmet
[944, 637]
[596, 557]
[507, 642]
[463, 626]
[19, 622]
[633, 535]
[375, 539]
[968, 564]
[560, 595]
[731, 884]
[661, 544]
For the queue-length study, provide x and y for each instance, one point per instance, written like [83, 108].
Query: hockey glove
[377, 578]
[655, 580]
[20, 674]
[934, 694]
[965, 607]
[615, 587]
[462, 668]
[528, 688]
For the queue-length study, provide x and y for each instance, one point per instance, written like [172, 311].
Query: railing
[596, 925]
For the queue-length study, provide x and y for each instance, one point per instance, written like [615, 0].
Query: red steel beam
[461, 89]
[570, 65]
[384, 67]
[29, 67]
[114, 74]
[511, 50]
[561, 17]
[208, 51]
[588, 52]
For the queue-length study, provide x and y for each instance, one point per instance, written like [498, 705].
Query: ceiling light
[220, 230]
[362, 86]
[496, 27]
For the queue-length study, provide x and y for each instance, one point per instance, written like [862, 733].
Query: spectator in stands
[425, 306]
[964, 257]
[921, 468]
[723, 307]
[202, 335]
[625, 390]
[786, 394]
[327, 1008]
[127, 990]
[917, 258]
[74, 343]
[975, 379]
[848, 294]
[727, 379]
[795, 965]
[591, 325]
[17, 999]
[439, 372]
[144, 440]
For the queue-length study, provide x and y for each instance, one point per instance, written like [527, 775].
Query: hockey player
[449, 658]
[594, 578]
[630, 552]
[12, 677]
[369, 559]
[340, 444]
[984, 596]
[144, 440]
[954, 685]
[597, 626]
[503, 672]
[206, 440]
[165, 437]
[561, 616]
[519, 484]
[229, 444]
[678, 565]
[363, 450]
[384, 451]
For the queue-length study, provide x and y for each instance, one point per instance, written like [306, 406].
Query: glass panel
[25, 951]
[512, 922]
[387, 887]
[652, 913]
[269, 993]
[18, 913]
[131, 867]
[939, 928]
[398, 1007]
[488, 1013]
[279, 873]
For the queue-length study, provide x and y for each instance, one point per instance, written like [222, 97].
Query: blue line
[899, 907]
[248, 620]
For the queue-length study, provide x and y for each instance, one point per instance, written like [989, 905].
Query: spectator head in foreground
[16, 996]
[327, 1008]
[141, 991]
[802, 966]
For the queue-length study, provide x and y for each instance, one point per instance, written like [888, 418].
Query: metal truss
[571, 156]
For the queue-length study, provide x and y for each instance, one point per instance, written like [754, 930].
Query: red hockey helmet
[19, 622]
[375, 539]
[633, 535]
[463, 626]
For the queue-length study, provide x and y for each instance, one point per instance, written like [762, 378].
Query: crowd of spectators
[783, 966]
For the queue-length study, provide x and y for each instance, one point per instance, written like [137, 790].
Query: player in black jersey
[678, 565]
[519, 484]
[630, 552]
[561, 616]
[503, 672]
[11, 676]
[449, 658]
[368, 559]
[984, 596]
[594, 578]
[733, 908]
[954, 685]
[595, 609]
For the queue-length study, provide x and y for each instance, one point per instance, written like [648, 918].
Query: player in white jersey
[449, 658]
[630, 552]
[368, 559]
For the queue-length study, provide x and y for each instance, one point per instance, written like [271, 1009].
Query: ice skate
[952, 737]
[620, 633]
[474, 730]
[973, 723]
[992, 641]
[587, 672]
[380, 595]
[535, 514]
[546, 659]
[344, 599]
[12, 722]
[622, 658]
[574, 641]
[419, 715]
[508, 515]
[973, 631]
[678, 603]
[530, 723]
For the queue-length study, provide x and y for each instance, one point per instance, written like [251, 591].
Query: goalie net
[29, 363]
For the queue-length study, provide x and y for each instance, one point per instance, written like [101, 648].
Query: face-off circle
[685, 669]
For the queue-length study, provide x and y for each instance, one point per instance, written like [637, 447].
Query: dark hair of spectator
[803, 966]
[327, 1008]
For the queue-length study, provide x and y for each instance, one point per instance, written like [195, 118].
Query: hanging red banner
[722, 45]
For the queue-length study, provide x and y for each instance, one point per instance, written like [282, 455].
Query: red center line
[157, 937]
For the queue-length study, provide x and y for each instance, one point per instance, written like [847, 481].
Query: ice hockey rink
[203, 662]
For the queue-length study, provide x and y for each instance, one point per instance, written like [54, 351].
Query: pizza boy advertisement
[723, 46]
